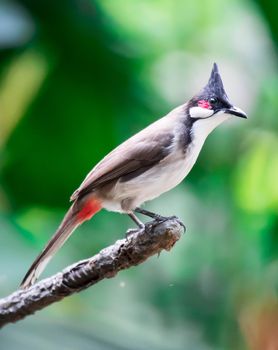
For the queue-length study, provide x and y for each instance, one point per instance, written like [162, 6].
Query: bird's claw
[182, 224]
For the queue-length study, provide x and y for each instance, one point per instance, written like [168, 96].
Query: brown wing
[130, 159]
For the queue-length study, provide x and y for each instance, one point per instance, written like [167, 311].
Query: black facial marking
[185, 135]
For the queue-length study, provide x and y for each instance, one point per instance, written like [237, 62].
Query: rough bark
[107, 263]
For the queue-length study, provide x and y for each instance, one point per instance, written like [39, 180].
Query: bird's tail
[79, 212]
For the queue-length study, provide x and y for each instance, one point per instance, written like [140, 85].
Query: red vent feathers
[91, 207]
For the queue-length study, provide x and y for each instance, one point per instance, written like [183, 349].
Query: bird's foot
[159, 218]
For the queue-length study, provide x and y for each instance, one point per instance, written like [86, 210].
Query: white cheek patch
[199, 112]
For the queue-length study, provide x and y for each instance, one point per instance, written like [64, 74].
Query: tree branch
[107, 263]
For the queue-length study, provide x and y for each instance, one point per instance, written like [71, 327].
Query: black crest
[215, 86]
[214, 93]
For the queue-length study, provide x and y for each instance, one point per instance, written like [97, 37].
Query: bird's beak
[236, 111]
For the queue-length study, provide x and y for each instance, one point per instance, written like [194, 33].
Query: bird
[150, 163]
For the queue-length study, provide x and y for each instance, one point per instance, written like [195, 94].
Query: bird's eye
[212, 100]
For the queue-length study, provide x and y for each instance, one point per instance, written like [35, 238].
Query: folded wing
[130, 159]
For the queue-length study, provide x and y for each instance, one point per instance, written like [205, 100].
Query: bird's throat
[203, 127]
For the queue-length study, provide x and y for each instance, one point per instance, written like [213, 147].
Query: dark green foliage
[90, 74]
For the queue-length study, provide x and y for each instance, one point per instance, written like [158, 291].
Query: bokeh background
[78, 77]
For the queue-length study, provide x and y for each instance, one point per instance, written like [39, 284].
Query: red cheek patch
[204, 104]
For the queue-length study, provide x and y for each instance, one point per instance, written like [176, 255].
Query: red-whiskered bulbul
[148, 164]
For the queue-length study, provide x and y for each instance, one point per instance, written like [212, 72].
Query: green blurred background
[77, 77]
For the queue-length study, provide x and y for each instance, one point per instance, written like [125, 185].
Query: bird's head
[211, 106]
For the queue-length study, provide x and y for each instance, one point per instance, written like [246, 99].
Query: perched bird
[148, 164]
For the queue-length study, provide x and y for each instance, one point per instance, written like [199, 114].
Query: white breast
[157, 180]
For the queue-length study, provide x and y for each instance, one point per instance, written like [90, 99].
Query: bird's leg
[150, 214]
[157, 217]
[136, 220]
[139, 223]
